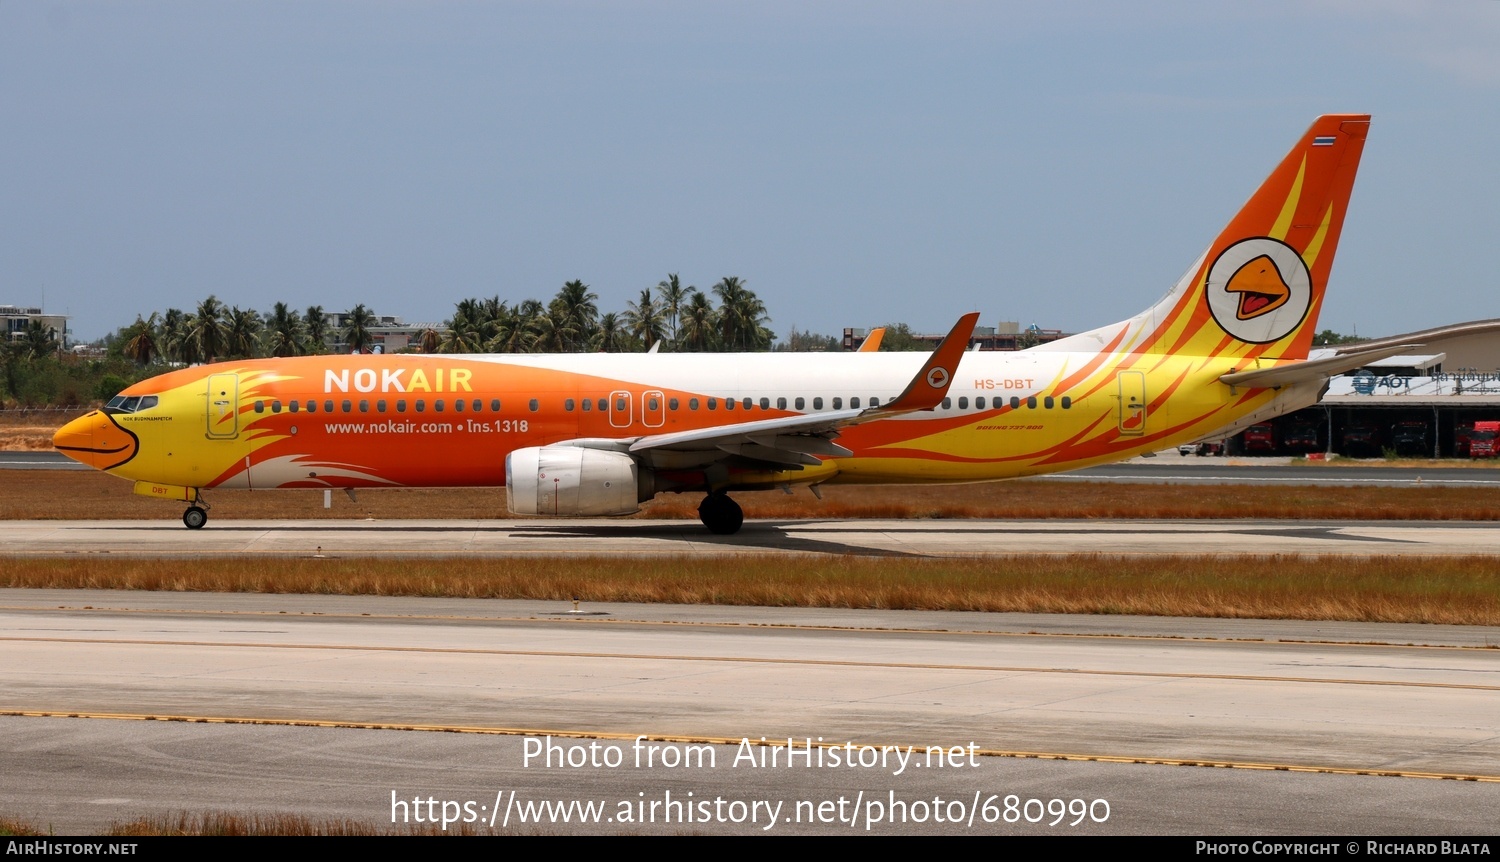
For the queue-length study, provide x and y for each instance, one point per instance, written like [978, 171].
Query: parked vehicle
[1410, 438]
[1361, 441]
[1482, 441]
[1302, 438]
[1260, 439]
[1462, 435]
[1214, 447]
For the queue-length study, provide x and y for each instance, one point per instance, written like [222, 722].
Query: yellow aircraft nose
[94, 439]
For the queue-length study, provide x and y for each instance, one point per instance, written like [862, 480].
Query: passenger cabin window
[260, 407]
[817, 403]
[494, 405]
[799, 403]
[312, 406]
[692, 404]
[400, 405]
[1031, 402]
[458, 405]
[874, 400]
[437, 405]
[1047, 402]
[854, 403]
[1015, 403]
[780, 403]
[276, 406]
[947, 403]
[421, 405]
[838, 403]
[364, 405]
[292, 406]
[963, 402]
[765, 403]
[671, 403]
[535, 405]
[713, 404]
[568, 404]
[1067, 402]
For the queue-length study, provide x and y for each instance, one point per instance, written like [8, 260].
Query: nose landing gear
[721, 515]
[197, 514]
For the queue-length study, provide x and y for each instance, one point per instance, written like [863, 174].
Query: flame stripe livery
[598, 434]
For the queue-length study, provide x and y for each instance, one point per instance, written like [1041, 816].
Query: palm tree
[698, 323]
[357, 325]
[644, 319]
[465, 333]
[673, 296]
[610, 337]
[144, 347]
[285, 334]
[555, 331]
[207, 331]
[315, 321]
[429, 340]
[578, 313]
[242, 332]
[741, 316]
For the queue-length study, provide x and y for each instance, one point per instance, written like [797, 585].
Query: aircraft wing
[1313, 370]
[794, 441]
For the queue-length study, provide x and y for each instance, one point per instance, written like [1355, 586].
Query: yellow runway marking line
[770, 743]
[760, 660]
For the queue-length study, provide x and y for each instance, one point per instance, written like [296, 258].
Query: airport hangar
[1418, 404]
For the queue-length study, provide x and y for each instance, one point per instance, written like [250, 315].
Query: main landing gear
[721, 515]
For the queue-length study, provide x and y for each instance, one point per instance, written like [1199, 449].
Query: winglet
[872, 341]
[928, 389]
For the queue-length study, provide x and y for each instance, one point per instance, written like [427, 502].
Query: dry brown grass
[25, 439]
[12, 826]
[227, 823]
[68, 495]
[1454, 590]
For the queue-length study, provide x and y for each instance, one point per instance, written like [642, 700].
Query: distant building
[16, 319]
[391, 334]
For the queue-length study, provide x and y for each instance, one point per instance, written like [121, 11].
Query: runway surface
[980, 685]
[895, 538]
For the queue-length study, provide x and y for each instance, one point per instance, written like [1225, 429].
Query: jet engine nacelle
[572, 481]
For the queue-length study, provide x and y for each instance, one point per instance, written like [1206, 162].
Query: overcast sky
[855, 163]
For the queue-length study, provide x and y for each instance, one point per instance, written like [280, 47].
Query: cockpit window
[131, 404]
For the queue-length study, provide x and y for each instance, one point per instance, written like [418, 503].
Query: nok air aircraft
[598, 434]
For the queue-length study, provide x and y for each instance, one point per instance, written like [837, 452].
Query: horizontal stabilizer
[1312, 370]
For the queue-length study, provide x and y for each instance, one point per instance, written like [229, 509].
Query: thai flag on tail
[1323, 141]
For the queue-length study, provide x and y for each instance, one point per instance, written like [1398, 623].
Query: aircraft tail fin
[1257, 290]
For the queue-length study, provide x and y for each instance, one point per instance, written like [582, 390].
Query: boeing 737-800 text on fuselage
[597, 434]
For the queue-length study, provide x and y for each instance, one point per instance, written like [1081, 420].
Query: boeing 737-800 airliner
[597, 434]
